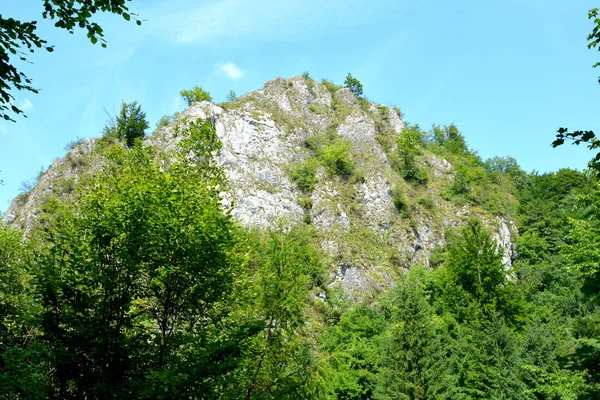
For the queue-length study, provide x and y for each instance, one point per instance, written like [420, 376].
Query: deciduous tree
[354, 85]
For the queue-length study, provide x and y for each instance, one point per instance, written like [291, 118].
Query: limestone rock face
[58, 180]
[265, 135]
[504, 237]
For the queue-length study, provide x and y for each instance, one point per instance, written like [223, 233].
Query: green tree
[503, 165]
[134, 270]
[352, 348]
[489, 361]
[337, 158]
[22, 362]
[231, 96]
[473, 278]
[18, 38]
[194, 95]
[408, 143]
[354, 85]
[129, 125]
[414, 364]
[450, 138]
[165, 120]
[287, 267]
[541, 362]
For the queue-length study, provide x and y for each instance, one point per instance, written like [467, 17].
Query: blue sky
[507, 73]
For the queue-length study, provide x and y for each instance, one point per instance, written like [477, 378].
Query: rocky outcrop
[264, 135]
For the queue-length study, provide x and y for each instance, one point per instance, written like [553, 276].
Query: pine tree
[414, 362]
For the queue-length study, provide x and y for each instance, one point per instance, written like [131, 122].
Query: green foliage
[145, 259]
[352, 349]
[336, 157]
[305, 175]
[400, 202]
[408, 148]
[231, 96]
[474, 279]
[583, 136]
[398, 112]
[426, 202]
[20, 355]
[594, 37]
[577, 137]
[77, 160]
[413, 365]
[286, 269]
[489, 184]
[460, 185]
[503, 165]
[74, 143]
[546, 201]
[64, 186]
[144, 287]
[165, 120]
[450, 138]
[318, 108]
[582, 239]
[354, 85]
[365, 104]
[195, 95]
[490, 354]
[17, 35]
[306, 75]
[330, 86]
[129, 125]
[331, 151]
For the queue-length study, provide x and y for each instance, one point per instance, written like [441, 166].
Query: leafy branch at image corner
[585, 136]
[18, 39]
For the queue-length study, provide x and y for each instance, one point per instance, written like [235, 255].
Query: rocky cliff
[297, 152]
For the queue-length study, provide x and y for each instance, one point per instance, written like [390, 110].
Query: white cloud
[230, 70]
[26, 105]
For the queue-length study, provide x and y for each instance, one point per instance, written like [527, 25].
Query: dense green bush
[334, 153]
[450, 139]
[409, 144]
[400, 202]
[336, 157]
[195, 95]
[22, 373]
[354, 85]
[165, 120]
[305, 175]
[129, 125]
[330, 86]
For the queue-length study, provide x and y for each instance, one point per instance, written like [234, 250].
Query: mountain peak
[298, 151]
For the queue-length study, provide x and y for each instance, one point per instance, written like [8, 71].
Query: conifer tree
[414, 363]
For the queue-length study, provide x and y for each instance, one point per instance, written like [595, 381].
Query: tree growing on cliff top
[129, 125]
[194, 95]
[354, 85]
